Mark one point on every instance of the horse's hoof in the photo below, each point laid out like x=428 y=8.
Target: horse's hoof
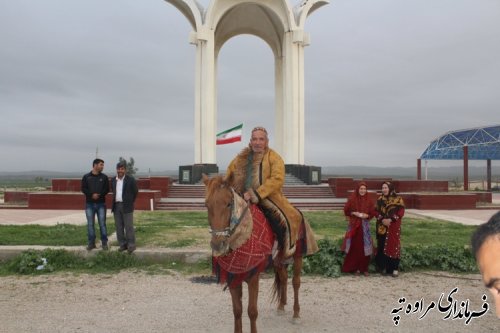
x=280 y=312
x=296 y=320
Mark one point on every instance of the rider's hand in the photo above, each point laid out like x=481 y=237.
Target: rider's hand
x=247 y=196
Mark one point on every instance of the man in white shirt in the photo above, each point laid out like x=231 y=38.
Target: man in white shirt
x=124 y=194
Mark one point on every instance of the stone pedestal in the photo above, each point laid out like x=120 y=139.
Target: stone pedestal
x=191 y=174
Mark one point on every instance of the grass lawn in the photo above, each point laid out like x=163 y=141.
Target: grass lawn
x=190 y=229
x=414 y=231
x=430 y=244
x=171 y=229
x=58 y=235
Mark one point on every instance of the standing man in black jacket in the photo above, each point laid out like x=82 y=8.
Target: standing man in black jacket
x=95 y=186
x=124 y=194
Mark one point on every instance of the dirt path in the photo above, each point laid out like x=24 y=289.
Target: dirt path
x=136 y=302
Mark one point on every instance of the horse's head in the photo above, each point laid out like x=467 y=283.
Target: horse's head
x=218 y=200
x=228 y=215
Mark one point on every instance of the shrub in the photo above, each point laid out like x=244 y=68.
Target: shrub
x=438 y=257
x=111 y=261
x=328 y=260
x=48 y=260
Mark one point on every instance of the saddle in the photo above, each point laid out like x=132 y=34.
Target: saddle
x=291 y=229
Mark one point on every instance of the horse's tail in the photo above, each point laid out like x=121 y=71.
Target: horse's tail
x=277 y=286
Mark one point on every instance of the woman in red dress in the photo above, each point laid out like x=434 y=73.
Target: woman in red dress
x=390 y=211
x=358 y=246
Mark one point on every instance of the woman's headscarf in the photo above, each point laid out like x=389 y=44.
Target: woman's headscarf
x=389 y=204
x=361 y=203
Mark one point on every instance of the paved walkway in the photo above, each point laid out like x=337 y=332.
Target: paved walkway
x=468 y=217
x=41 y=216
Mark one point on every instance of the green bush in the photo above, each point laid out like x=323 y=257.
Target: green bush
x=105 y=261
x=453 y=258
x=49 y=260
x=38 y=262
x=328 y=260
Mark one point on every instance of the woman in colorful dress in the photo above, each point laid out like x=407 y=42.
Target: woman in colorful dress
x=390 y=211
x=358 y=246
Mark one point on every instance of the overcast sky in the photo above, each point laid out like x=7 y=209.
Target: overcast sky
x=383 y=78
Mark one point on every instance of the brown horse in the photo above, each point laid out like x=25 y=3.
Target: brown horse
x=232 y=228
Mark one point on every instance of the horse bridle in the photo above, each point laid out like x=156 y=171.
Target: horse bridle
x=233 y=222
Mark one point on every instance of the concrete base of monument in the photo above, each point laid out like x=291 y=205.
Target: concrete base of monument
x=308 y=174
x=191 y=174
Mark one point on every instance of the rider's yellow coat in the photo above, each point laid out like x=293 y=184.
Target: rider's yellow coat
x=268 y=177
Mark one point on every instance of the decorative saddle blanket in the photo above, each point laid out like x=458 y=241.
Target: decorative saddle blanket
x=251 y=257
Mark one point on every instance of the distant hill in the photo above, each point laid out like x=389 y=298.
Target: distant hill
x=61 y=174
x=446 y=173
x=39 y=173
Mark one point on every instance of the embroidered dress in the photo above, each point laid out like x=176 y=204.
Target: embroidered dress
x=389 y=238
x=358 y=244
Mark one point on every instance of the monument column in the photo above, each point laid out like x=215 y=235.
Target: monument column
x=205 y=112
x=292 y=83
x=279 y=79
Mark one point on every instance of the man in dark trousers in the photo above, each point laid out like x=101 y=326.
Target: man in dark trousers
x=95 y=186
x=124 y=194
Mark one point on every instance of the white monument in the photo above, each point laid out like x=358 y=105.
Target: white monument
x=281 y=26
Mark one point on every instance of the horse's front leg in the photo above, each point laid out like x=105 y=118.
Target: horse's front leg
x=236 y=295
x=297 y=269
x=253 y=294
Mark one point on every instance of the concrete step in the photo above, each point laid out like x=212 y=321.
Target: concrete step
x=305 y=191
x=292 y=180
x=305 y=197
x=291 y=191
x=487 y=206
x=181 y=206
x=13 y=206
x=199 y=204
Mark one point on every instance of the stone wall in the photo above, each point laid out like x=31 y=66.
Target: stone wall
x=417 y=194
x=66 y=194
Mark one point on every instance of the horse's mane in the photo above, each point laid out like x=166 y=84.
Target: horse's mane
x=214 y=184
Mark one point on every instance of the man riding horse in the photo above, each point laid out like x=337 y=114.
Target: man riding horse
x=258 y=173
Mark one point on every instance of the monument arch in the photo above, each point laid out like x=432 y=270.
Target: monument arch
x=281 y=26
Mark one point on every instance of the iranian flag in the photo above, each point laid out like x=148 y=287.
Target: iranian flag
x=229 y=136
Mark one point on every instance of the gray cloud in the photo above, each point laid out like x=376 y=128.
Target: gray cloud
x=383 y=78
